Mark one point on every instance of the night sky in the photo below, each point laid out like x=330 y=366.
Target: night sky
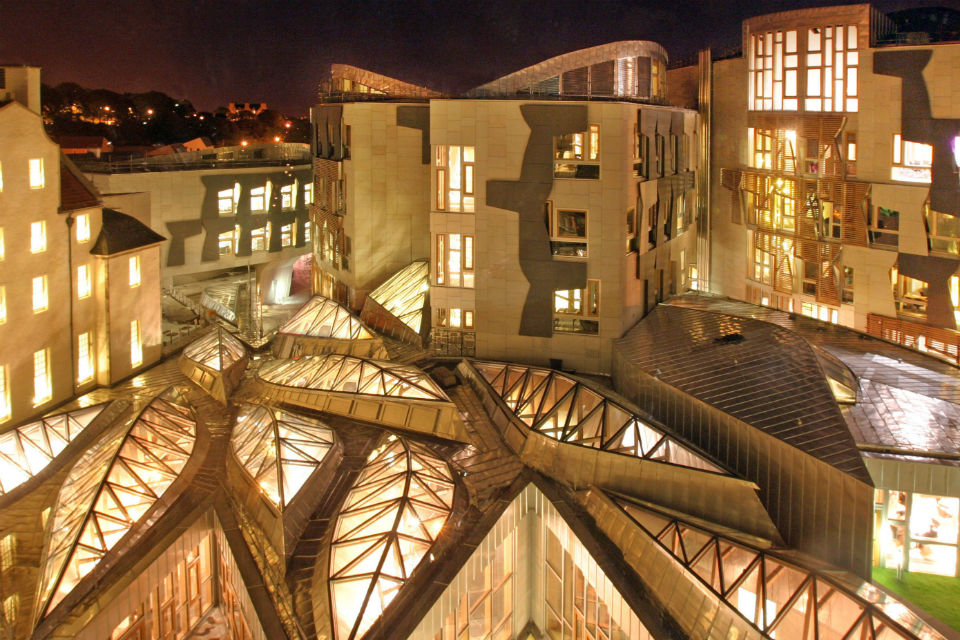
x=212 y=52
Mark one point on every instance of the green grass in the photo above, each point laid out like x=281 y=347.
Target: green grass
x=937 y=595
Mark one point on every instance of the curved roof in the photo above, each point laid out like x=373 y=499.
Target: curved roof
x=405 y=293
x=616 y=69
x=218 y=350
x=390 y=519
x=279 y=449
x=347 y=374
x=324 y=318
x=27 y=450
x=569 y=411
x=110 y=488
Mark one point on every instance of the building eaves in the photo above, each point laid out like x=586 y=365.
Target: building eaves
x=76 y=192
x=121 y=232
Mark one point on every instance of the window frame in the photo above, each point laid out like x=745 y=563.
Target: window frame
x=42 y=382
x=583 y=320
x=134 y=275
x=84 y=282
x=37 y=175
x=38 y=236
x=557 y=237
x=83 y=228
x=41 y=295
x=587 y=157
x=465 y=181
x=136 y=344
x=444 y=255
x=86 y=369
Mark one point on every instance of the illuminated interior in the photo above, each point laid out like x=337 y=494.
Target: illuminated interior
x=110 y=488
x=567 y=410
x=347 y=374
x=386 y=527
x=218 y=350
x=780 y=598
x=27 y=450
x=325 y=318
x=405 y=293
x=279 y=450
x=918 y=532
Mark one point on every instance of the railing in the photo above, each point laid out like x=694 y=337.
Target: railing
x=220 y=157
x=943 y=343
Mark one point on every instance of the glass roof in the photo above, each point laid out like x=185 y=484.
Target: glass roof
x=347 y=374
x=218 y=350
x=737 y=573
x=325 y=318
x=566 y=410
x=27 y=450
x=110 y=488
x=405 y=293
x=279 y=450
x=386 y=526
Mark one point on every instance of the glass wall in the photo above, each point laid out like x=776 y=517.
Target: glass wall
x=917 y=532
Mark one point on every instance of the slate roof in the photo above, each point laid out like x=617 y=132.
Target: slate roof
x=758 y=372
x=76 y=192
x=121 y=232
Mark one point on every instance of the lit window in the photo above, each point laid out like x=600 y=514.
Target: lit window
x=308 y=193
x=1 y=176
x=577 y=155
x=135 y=271
x=8 y=552
x=912 y=161
x=84 y=358
x=39 y=294
x=83 y=282
x=227 y=200
x=225 y=242
x=258 y=239
x=943 y=231
x=909 y=294
x=831 y=62
x=288 y=196
x=3 y=251
x=36 y=173
x=455 y=318
x=454 y=260
x=286 y=235
x=38 y=237
x=568 y=232
x=5 y=409
x=3 y=304
x=306 y=231
x=83 y=227
x=258 y=199
x=42 y=390
x=455 y=178
x=641 y=153
x=136 y=348
x=574 y=307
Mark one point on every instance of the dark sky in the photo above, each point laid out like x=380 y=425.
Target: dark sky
x=213 y=52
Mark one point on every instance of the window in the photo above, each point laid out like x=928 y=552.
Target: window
x=913 y=161
x=455 y=178
x=577 y=155
x=37 y=178
x=39 y=294
x=288 y=196
x=573 y=307
x=811 y=272
x=831 y=220
x=831 y=63
x=286 y=235
x=943 y=231
x=3 y=304
x=258 y=239
x=568 y=231
x=3 y=250
x=641 y=155
x=884 y=227
x=8 y=552
x=83 y=227
x=773 y=71
x=454 y=260
x=136 y=348
x=84 y=358
x=674 y=153
x=38 y=237
x=847 y=293
x=83 y=282
x=1 y=176
x=909 y=294
x=135 y=271
x=5 y=409
x=227 y=200
x=819 y=312
x=308 y=193
x=42 y=390
x=258 y=199
x=306 y=231
x=225 y=242
x=455 y=318
x=660 y=143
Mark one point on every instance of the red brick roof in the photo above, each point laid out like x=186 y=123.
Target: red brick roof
x=76 y=192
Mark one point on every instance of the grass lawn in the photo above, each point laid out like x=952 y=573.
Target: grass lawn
x=936 y=595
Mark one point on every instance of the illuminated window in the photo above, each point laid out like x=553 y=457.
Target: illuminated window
x=83 y=282
x=909 y=294
x=8 y=551
x=306 y=231
x=659 y=145
x=258 y=199
x=308 y=193
x=1 y=176
x=641 y=154
x=42 y=390
x=227 y=200
x=134 y=271
x=37 y=177
x=404 y=294
x=568 y=231
x=38 y=237
x=288 y=196
x=84 y=358
x=773 y=71
x=943 y=231
x=831 y=67
x=954 y=284
x=574 y=307
x=577 y=155
x=455 y=178
x=258 y=239
x=39 y=294
x=912 y=161
x=225 y=242
x=3 y=304
x=286 y=235
x=136 y=347
x=454 y=260
x=5 y=409
x=847 y=294
x=884 y=227
x=455 y=318
x=3 y=251
x=83 y=227
x=11 y=604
